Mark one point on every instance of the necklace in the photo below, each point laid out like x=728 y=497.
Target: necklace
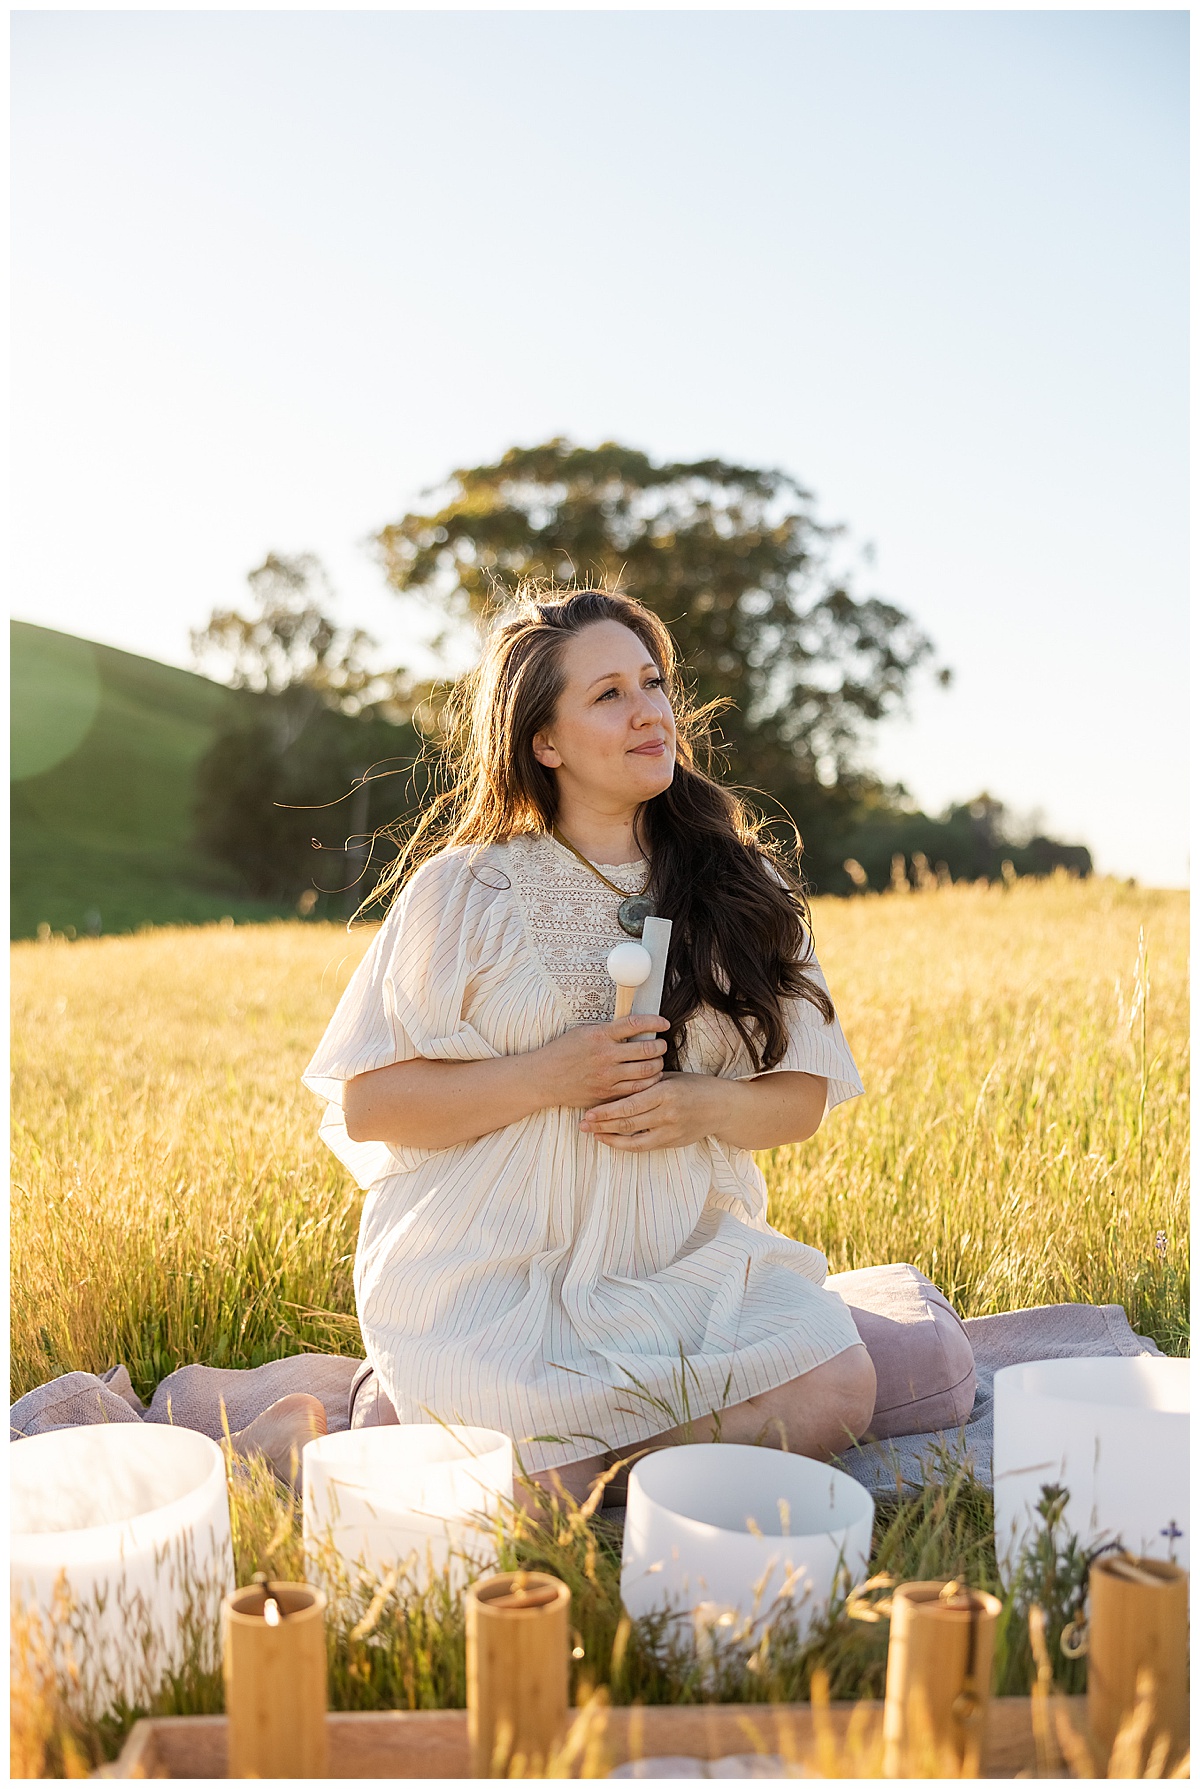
x=635 y=909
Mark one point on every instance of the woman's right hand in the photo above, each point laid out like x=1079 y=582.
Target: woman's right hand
x=592 y=1063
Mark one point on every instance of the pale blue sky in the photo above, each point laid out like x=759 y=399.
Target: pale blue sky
x=277 y=272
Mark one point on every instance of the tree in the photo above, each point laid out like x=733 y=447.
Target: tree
x=731 y=557
x=295 y=814
x=970 y=840
x=288 y=646
x=319 y=753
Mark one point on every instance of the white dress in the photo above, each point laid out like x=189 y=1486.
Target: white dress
x=534 y=1280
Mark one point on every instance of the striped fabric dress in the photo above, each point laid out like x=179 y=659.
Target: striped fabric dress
x=534 y=1280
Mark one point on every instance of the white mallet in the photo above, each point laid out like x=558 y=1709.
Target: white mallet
x=629 y=966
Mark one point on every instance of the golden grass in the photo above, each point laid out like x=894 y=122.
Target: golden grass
x=401 y=1644
x=171 y=1200
x=1023 y=1138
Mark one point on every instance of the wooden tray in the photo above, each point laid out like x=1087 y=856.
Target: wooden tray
x=434 y=1744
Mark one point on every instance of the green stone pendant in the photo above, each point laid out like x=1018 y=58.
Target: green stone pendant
x=633 y=913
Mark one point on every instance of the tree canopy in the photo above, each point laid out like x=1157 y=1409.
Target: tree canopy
x=294 y=813
x=287 y=643
x=320 y=752
x=731 y=557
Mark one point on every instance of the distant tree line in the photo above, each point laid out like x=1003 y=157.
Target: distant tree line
x=325 y=750
x=293 y=804
x=320 y=753
x=973 y=840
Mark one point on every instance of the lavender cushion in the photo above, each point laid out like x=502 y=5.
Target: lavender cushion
x=920 y=1350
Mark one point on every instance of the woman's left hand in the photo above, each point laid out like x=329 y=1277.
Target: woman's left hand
x=679 y=1109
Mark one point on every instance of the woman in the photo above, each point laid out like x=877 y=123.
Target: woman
x=565 y=1236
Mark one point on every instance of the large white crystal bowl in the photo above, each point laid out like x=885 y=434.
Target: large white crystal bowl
x=120 y=1547
x=412 y=1497
x=1113 y=1433
x=720 y=1533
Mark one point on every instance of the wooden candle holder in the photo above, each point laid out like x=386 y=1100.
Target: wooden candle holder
x=939 y=1674
x=518 y=1643
x=1137 y=1623
x=275 y=1681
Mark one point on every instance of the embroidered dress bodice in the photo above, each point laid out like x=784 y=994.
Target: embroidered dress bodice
x=571 y=919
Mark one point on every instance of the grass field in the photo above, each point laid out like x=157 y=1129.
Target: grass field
x=104 y=748
x=1023 y=1140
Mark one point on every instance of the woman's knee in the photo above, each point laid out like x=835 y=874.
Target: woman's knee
x=820 y=1413
x=856 y=1390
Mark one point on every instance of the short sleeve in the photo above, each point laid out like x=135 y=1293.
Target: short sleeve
x=816 y=1047
x=406 y=998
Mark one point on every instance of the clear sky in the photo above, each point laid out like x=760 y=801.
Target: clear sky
x=275 y=273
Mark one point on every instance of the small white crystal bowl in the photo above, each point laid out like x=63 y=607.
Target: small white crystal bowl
x=128 y=1523
x=1112 y=1432
x=413 y=1496
x=729 y=1536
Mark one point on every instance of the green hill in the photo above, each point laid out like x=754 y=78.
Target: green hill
x=104 y=750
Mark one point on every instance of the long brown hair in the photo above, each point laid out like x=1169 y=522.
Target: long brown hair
x=741 y=926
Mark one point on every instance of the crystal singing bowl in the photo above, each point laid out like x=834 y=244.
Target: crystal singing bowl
x=116 y=1531
x=379 y=1496
x=1113 y=1434
x=736 y=1532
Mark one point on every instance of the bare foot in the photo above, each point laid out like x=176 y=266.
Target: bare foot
x=280 y=1432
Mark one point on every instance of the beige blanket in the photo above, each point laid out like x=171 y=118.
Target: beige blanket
x=196 y=1397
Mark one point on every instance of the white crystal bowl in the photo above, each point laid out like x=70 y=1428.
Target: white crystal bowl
x=120 y=1545
x=414 y=1497
x=725 y=1535
x=1111 y=1432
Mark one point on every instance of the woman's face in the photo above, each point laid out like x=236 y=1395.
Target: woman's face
x=611 y=743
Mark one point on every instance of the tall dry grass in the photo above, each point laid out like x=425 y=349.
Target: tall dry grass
x=1023 y=1138
x=171 y=1201
x=401 y=1643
